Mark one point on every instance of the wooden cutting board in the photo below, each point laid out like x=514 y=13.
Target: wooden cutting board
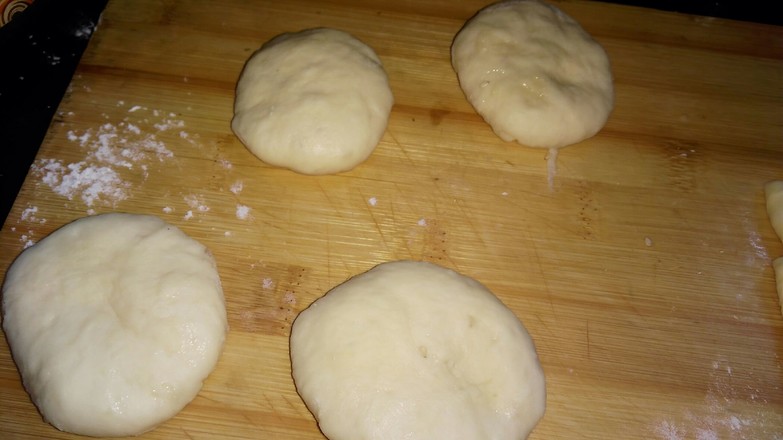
x=644 y=276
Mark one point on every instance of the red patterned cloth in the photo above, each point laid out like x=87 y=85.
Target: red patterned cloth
x=9 y=8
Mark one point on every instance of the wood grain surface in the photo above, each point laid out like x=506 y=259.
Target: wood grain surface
x=644 y=276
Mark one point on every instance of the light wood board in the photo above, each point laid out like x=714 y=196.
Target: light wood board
x=644 y=276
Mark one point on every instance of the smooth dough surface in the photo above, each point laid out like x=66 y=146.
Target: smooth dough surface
x=777 y=264
x=774 y=197
x=773 y=192
x=114 y=321
x=315 y=101
x=411 y=350
x=533 y=74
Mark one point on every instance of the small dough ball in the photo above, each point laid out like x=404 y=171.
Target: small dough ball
x=315 y=101
x=114 y=321
x=411 y=350
x=533 y=74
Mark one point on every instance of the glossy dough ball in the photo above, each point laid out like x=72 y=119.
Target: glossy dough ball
x=114 y=322
x=533 y=74
x=411 y=350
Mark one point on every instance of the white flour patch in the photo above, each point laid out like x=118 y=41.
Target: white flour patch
x=668 y=431
x=169 y=124
x=755 y=243
x=243 y=212
x=27 y=241
x=289 y=298
x=113 y=152
x=372 y=201
x=648 y=241
x=724 y=414
x=196 y=202
x=188 y=215
x=89 y=182
x=267 y=283
x=225 y=164
x=237 y=187
x=168 y=209
x=84 y=31
x=422 y=222
x=29 y=215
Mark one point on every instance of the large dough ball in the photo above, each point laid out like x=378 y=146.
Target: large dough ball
x=411 y=350
x=315 y=101
x=114 y=321
x=533 y=74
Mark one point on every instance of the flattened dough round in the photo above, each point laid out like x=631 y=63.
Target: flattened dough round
x=315 y=101
x=773 y=191
x=114 y=321
x=411 y=350
x=533 y=74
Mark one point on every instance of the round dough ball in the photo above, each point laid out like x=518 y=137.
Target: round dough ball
x=411 y=350
x=114 y=321
x=533 y=74
x=315 y=101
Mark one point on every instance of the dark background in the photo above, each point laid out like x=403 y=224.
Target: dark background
x=41 y=47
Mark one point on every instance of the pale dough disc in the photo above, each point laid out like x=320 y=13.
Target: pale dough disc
x=315 y=101
x=114 y=321
x=533 y=74
x=774 y=196
x=778 y=266
x=773 y=192
x=411 y=350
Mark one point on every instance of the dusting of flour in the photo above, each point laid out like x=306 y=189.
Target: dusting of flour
x=113 y=152
x=722 y=416
x=243 y=212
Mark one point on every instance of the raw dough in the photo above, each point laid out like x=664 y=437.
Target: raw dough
x=777 y=264
x=534 y=74
x=774 y=195
x=411 y=350
x=114 y=321
x=315 y=101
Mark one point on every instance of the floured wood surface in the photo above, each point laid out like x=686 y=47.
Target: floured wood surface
x=644 y=276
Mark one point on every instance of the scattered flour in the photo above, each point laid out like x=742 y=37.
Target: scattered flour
x=243 y=212
x=112 y=150
x=168 y=209
x=196 y=202
x=422 y=222
x=90 y=182
x=372 y=201
x=29 y=215
x=267 y=283
x=289 y=298
x=27 y=240
x=188 y=215
x=724 y=415
x=667 y=430
x=237 y=187
x=648 y=241
x=84 y=31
